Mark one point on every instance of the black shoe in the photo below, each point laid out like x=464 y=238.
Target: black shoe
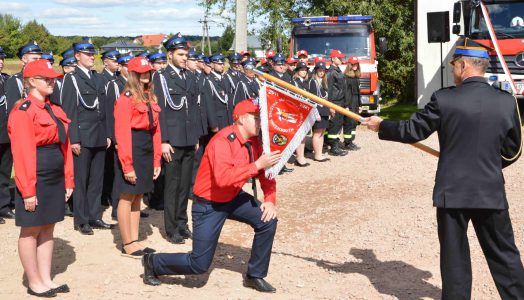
x=149 y=274
x=176 y=239
x=287 y=170
x=64 y=288
x=47 y=294
x=143 y=214
x=351 y=146
x=2 y=221
x=259 y=284
x=322 y=160
x=148 y=250
x=336 y=150
x=99 y=224
x=186 y=233
x=84 y=229
x=68 y=212
x=301 y=165
x=8 y=214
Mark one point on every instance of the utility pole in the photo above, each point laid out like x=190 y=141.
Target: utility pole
x=241 y=26
x=205 y=33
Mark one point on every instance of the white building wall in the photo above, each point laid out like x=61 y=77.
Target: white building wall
x=428 y=55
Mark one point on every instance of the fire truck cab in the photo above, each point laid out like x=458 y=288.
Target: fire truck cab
x=352 y=35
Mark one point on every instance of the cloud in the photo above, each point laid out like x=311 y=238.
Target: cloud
x=13 y=7
x=168 y=14
x=109 y=3
x=63 y=13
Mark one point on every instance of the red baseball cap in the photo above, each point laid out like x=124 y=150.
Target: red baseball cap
x=302 y=52
x=270 y=54
x=41 y=67
x=291 y=60
x=244 y=107
x=353 y=60
x=336 y=53
x=245 y=53
x=263 y=61
x=319 y=59
x=139 y=64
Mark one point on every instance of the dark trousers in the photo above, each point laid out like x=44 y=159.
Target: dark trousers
x=109 y=176
x=335 y=125
x=6 y=166
x=350 y=129
x=115 y=191
x=89 y=175
x=208 y=220
x=202 y=142
x=156 y=197
x=177 y=181
x=495 y=235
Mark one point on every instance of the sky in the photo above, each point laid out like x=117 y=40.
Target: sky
x=113 y=17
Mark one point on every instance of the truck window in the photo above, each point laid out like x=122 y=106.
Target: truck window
x=351 y=44
x=506 y=19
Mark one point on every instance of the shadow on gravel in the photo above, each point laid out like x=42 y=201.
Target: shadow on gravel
x=63 y=256
x=395 y=278
x=228 y=257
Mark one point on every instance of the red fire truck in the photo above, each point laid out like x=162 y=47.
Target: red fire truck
x=354 y=36
x=507 y=18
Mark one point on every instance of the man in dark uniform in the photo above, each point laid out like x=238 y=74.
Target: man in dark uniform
x=248 y=87
x=234 y=73
x=158 y=60
x=113 y=90
x=83 y=98
x=215 y=94
x=15 y=86
x=336 y=94
x=109 y=73
x=6 y=158
x=279 y=68
x=176 y=94
x=110 y=60
x=479 y=131
x=233 y=156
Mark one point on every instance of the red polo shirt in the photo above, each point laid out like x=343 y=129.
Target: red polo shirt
x=225 y=168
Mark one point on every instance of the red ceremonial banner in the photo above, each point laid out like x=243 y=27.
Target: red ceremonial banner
x=286 y=118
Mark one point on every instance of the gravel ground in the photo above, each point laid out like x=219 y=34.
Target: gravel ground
x=357 y=227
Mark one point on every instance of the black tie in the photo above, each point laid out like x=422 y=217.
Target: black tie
x=150 y=115
x=254 y=181
x=59 y=125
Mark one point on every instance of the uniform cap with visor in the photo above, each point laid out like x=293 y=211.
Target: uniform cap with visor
x=84 y=47
x=157 y=57
x=29 y=48
x=111 y=54
x=470 y=48
x=176 y=42
x=68 y=61
x=124 y=59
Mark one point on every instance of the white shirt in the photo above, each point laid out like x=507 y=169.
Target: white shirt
x=177 y=70
x=86 y=71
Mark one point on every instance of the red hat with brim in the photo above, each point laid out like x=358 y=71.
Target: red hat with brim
x=41 y=68
x=353 y=60
x=337 y=53
x=270 y=54
x=139 y=65
x=302 y=53
x=245 y=107
x=291 y=60
x=245 y=53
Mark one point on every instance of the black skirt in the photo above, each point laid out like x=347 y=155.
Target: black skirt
x=50 y=190
x=143 y=155
x=322 y=124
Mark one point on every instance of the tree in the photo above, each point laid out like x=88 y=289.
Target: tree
x=227 y=39
x=10 y=36
x=393 y=19
x=33 y=31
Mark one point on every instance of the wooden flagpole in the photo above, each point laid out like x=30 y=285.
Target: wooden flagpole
x=335 y=107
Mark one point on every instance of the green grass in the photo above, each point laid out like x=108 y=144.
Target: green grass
x=397 y=111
